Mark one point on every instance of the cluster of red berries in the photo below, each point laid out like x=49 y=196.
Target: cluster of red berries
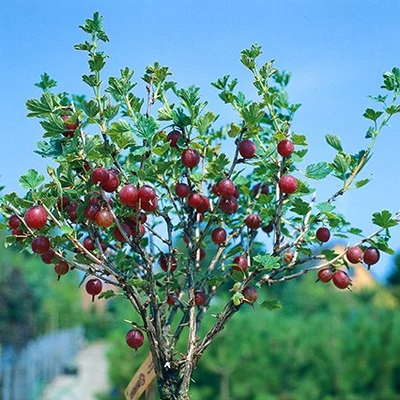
x=339 y=278
x=355 y=255
x=107 y=179
x=370 y=255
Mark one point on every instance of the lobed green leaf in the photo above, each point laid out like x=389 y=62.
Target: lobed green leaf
x=318 y=171
x=31 y=179
x=384 y=219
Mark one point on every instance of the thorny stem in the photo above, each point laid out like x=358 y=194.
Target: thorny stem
x=226 y=314
x=191 y=311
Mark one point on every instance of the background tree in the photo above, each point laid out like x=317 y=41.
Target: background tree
x=30 y=302
x=182 y=183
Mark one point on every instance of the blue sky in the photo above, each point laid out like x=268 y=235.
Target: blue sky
x=336 y=52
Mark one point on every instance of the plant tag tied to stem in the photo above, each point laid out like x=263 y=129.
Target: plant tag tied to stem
x=142 y=380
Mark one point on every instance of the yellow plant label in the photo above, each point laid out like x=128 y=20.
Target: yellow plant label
x=141 y=380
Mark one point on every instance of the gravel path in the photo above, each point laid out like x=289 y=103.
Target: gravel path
x=91 y=379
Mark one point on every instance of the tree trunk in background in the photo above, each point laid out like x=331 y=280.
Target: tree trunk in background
x=224 y=386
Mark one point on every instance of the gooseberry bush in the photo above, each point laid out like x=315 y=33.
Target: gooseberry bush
x=152 y=197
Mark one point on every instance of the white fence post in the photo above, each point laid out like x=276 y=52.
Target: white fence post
x=23 y=373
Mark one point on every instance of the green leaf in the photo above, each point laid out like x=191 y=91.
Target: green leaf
x=165 y=113
x=383 y=219
x=393 y=109
x=138 y=151
x=329 y=254
x=223 y=83
x=299 y=140
x=53 y=126
x=67 y=230
x=379 y=98
x=44 y=106
x=120 y=127
x=217 y=165
x=137 y=281
x=325 y=207
x=216 y=280
x=299 y=206
x=91 y=80
x=252 y=114
x=90 y=107
x=191 y=100
x=267 y=70
x=355 y=231
x=9 y=241
x=271 y=305
x=95 y=27
x=334 y=141
x=81 y=259
x=97 y=62
x=237 y=299
x=234 y=130
x=120 y=133
x=248 y=56
x=371 y=132
x=241 y=180
x=382 y=245
x=49 y=149
x=362 y=183
x=107 y=294
x=237 y=276
x=110 y=112
x=298 y=155
x=146 y=127
x=93 y=147
x=303 y=188
x=372 y=114
x=341 y=163
x=391 y=80
x=157 y=72
x=204 y=122
x=318 y=171
x=120 y=87
x=86 y=46
x=31 y=179
x=160 y=150
x=266 y=261
x=46 y=82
